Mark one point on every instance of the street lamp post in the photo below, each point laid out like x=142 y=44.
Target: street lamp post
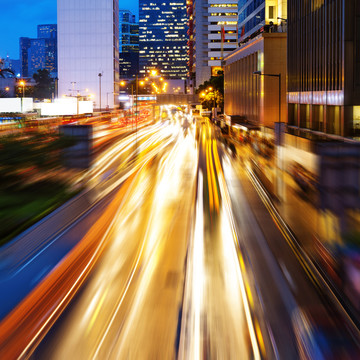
x=22 y=83
x=278 y=136
x=100 y=75
x=107 y=100
x=279 y=77
x=213 y=91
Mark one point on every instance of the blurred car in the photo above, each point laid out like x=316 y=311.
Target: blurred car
x=322 y=336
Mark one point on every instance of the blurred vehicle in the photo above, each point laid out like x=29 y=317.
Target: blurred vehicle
x=322 y=336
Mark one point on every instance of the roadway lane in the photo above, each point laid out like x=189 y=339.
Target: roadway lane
x=32 y=255
x=194 y=267
x=216 y=321
x=28 y=261
x=130 y=305
x=169 y=284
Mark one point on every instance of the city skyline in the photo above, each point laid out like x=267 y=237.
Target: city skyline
x=27 y=17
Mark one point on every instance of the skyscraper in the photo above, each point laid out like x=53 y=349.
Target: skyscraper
x=47 y=31
x=163 y=37
x=324 y=66
x=212 y=35
x=129 y=44
x=39 y=53
x=24 y=55
x=88 y=49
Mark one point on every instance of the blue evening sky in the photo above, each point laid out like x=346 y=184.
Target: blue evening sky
x=20 y=18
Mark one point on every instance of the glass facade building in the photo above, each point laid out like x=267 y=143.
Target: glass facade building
x=163 y=37
x=24 y=55
x=324 y=66
x=47 y=31
x=39 y=53
x=254 y=15
x=88 y=50
x=128 y=44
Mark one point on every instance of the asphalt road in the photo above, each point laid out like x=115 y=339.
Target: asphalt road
x=193 y=265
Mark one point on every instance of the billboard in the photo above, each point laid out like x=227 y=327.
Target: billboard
x=78 y=156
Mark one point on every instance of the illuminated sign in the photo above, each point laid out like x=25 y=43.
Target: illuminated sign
x=146 y=98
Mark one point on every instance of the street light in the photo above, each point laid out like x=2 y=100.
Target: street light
x=22 y=83
x=278 y=131
x=100 y=75
x=213 y=91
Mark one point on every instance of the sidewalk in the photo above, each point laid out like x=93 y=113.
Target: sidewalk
x=299 y=209
x=316 y=231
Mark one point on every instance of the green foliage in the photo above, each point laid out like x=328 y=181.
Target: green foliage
x=22 y=208
x=217 y=84
x=22 y=157
x=29 y=185
x=44 y=87
x=352 y=238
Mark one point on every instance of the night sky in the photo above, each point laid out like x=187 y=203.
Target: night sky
x=20 y=18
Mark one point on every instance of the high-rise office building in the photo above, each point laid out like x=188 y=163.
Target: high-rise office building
x=47 y=31
x=24 y=55
x=212 y=35
x=36 y=56
x=262 y=37
x=88 y=49
x=163 y=37
x=129 y=44
x=39 y=53
x=324 y=66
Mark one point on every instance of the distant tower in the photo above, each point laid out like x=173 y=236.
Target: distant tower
x=39 y=53
x=212 y=36
x=24 y=55
x=128 y=45
x=88 y=49
x=163 y=37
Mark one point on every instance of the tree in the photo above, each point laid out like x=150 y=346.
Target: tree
x=22 y=156
x=44 y=84
x=216 y=83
